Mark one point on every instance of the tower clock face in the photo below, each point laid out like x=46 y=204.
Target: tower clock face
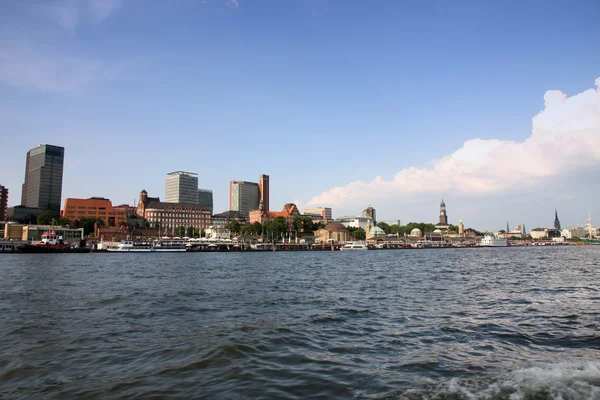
x=443 y=213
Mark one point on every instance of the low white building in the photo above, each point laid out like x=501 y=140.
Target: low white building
x=355 y=221
x=217 y=232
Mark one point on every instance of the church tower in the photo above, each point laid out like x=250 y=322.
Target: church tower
x=556 y=220
x=443 y=215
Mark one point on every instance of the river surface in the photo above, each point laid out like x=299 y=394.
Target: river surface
x=512 y=323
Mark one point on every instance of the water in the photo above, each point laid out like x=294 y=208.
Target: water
x=418 y=324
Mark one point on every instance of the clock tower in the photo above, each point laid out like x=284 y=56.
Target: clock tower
x=443 y=215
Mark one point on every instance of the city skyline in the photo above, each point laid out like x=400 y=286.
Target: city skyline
x=446 y=97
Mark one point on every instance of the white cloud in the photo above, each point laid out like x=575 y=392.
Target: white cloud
x=565 y=137
x=235 y=4
x=69 y=14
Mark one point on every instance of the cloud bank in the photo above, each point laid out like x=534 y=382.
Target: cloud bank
x=565 y=138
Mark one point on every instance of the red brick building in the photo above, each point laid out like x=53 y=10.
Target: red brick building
x=94 y=207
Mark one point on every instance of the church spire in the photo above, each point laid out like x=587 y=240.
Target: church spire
x=556 y=220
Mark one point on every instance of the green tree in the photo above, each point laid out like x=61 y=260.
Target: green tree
x=88 y=224
x=111 y=221
x=180 y=231
x=384 y=226
x=256 y=228
x=358 y=234
x=63 y=222
x=307 y=225
x=234 y=226
x=47 y=218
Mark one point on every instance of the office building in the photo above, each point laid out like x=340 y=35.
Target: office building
x=170 y=216
x=226 y=217
x=42 y=188
x=370 y=212
x=263 y=191
x=323 y=212
x=94 y=207
x=243 y=196
x=3 y=202
x=181 y=187
x=205 y=199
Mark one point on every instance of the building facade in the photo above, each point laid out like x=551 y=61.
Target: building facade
x=217 y=232
x=355 y=222
x=22 y=214
x=263 y=191
x=43 y=178
x=3 y=202
x=323 y=212
x=205 y=199
x=226 y=217
x=181 y=187
x=261 y=216
x=243 y=196
x=370 y=212
x=169 y=216
x=333 y=232
x=94 y=207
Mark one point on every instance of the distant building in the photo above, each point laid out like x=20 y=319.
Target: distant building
x=181 y=187
x=43 y=178
x=22 y=214
x=443 y=214
x=3 y=202
x=461 y=228
x=539 y=233
x=226 y=217
x=29 y=232
x=333 y=232
x=355 y=222
x=370 y=212
x=263 y=191
x=169 y=216
x=289 y=211
x=217 y=232
x=243 y=196
x=129 y=211
x=205 y=199
x=374 y=233
x=556 y=221
x=323 y=212
x=94 y=207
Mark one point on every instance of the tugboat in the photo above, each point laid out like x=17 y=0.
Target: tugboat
x=51 y=243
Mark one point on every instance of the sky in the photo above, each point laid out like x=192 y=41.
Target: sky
x=396 y=104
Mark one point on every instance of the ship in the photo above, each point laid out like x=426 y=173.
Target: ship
x=493 y=241
x=52 y=243
x=158 y=246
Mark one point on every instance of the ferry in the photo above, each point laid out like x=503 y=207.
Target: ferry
x=493 y=241
x=51 y=243
x=160 y=246
x=354 y=247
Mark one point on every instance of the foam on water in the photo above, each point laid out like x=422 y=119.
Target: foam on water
x=560 y=381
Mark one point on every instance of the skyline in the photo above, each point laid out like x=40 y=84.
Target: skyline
x=343 y=92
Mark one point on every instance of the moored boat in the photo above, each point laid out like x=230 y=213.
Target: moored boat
x=51 y=243
x=354 y=246
x=493 y=241
x=159 y=246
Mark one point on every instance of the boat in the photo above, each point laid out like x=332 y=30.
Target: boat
x=354 y=246
x=493 y=241
x=158 y=246
x=51 y=243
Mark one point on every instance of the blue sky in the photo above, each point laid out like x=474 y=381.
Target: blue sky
x=318 y=94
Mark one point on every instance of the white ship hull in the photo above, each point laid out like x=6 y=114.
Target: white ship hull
x=491 y=241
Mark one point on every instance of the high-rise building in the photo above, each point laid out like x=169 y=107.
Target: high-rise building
x=42 y=188
x=181 y=187
x=263 y=191
x=370 y=212
x=3 y=202
x=205 y=199
x=324 y=212
x=243 y=196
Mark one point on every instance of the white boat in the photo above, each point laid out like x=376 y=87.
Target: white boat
x=354 y=246
x=159 y=246
x=493 y=241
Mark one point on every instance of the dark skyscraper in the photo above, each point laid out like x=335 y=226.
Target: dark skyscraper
x=556 y=221
x=43 y=178
x=3 y=202
x=263 y=191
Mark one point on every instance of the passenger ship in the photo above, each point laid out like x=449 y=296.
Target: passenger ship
x=159 y=246
x=493 y=241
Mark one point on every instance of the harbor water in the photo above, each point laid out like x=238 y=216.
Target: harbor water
x=501 y=323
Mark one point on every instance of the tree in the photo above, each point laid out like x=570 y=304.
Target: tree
x=358 y=234
x=111 y=221
x=47 y=218
x=63 y=222
x=256 y=228
x=180 y=231
x=384 y=226
x=87 y=223
x=234 y=226
x=307 y=225
x=123 y=223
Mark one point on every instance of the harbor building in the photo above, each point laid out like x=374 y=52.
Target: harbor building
x=28 y=233
x=181 y=187
x=243 y=196
x=42 y=188
x=289 y=211
x=323 y=212
x=3 y=202
x=205 y=199
x=226 y=217
x=169 y=216
x=94 y=207
x=370 y=212
x=332 y=232
x=355 y=221
x=263 y=191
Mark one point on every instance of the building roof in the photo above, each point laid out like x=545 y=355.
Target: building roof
x=415 y=230
x=377 y=231
x=230 y=214
x=335 y=227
